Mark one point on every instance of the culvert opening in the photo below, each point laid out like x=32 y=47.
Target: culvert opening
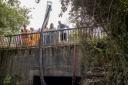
x=36 y=80
x=56 y=80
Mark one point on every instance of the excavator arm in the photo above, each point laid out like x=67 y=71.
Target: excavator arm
x=46 y=19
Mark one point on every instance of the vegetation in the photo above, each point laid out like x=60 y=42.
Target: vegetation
x=110 y=52
x=11 y=80
x=12 y=16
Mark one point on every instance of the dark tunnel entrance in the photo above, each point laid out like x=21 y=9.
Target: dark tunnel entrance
x=36 y=80
x=56 y=80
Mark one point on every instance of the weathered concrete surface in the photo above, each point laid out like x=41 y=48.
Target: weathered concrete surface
x=24 y=63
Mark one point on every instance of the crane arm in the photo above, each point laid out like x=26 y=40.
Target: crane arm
x=41 y=67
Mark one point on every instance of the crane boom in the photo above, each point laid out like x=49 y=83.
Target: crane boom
x=46 y=19
x=47 y=14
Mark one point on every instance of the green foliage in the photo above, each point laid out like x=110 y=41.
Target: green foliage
x=112 y=16
x=12 y=80
x=12 y=16
x=74 y=36
x=7 y=80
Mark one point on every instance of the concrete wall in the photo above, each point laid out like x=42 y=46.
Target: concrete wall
x=24 y=63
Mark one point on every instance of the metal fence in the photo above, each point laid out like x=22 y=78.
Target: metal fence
x=54 y=37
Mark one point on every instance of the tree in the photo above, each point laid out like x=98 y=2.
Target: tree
x=12 y=16
x=112 y=17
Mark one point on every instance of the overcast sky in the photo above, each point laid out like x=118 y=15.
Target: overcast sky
x=38 y=12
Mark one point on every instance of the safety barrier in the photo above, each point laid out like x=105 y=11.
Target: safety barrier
x=54 y=37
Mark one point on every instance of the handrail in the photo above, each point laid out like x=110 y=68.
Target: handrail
x=51 y=37
x=45 y=31
x=51 y=31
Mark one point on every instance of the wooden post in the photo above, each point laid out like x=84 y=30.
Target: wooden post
x=74 y=66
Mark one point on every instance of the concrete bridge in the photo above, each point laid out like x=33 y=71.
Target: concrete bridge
x=19 y=56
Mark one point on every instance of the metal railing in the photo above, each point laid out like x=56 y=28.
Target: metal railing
x=50 y=38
